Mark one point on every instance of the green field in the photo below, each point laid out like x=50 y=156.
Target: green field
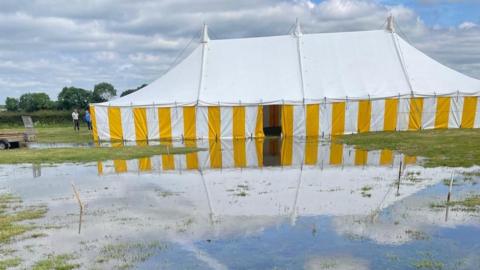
x=452 y=148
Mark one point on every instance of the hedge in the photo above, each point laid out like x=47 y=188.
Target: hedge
x=39 y=118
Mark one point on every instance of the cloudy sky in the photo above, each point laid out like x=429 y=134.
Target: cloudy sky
x=48 y=44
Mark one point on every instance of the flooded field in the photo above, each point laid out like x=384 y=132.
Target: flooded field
x=249 y=205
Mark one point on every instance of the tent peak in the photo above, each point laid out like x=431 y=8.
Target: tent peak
x=391 y=24
x=298 y=29
x=205 y=37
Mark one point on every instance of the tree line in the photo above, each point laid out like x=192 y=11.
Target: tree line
x=69 y=98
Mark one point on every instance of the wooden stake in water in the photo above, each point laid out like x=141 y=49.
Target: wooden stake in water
x=399 y=178
x=75 y=192
x=449 y=196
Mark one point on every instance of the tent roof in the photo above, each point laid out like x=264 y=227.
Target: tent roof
x=301 y=68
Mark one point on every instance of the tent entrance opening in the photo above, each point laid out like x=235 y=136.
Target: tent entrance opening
x=272 y=120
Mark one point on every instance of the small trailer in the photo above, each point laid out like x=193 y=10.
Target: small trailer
x=13 y=140
x=16 y=139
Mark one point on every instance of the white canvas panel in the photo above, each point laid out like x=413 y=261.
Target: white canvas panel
x=152 y=123
x=250 y=120
x=252 y=155
x=202 y=122
x=378 y=115
x=226 y=122
x=103 y=128
x=325 y=128
x=128 y=124
x=299 y=121
x=227 y=154
x=456 y=110
x=252 y=70
x=351 y=117
x=176 y=116
x=403 y=114
x=429 y=112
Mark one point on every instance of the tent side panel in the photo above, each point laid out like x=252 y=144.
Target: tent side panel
x=428 y=113
x=390 y=114
x=338 y=118
x=152 y=124
x=140 y=121
x=287 y=120
x=312 y=120
x=299 y=121
x=415 y=114
x=128 y=124
x=364 y=115
x=94 y=123
x=469 y=112
x=443 y=112
x=190 y=122
x=377 y=115
x=259 y=123
x=115 y=124
x=239 y=124
x=165 y=123
x=351 y=117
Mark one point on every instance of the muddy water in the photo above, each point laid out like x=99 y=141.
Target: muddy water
x=251 y=205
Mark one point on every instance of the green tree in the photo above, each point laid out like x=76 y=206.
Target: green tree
x=32 y=102
x=11 y=104
x=103 y=92
x=129 y=91
x=74 y=98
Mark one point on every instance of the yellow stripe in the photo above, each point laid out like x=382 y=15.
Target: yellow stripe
x=214 y=123
x=115 y=123
x=259 y=149
x=239 y=122
x=361 y=157
x=287 y=120
x=165 y=123
x=386 y=157
x=215 y=154
x=100 y=167
x=192 y=158
x=239 y=153
x=469 y=111
x=336 y=154
x=259 y=125
x=311 y=151
x=312 y=120
x=409 y=160
x=390 y=116
x=442 y=113
x=120 y=166
x=287 y=151
x=168 y=160
x=364 y=115
x=140 y=120
x=338 y=118
x=189 y=123
x=144 y=164
x=415 y=116
x=94 y=123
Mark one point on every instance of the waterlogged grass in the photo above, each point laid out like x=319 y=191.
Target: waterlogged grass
x=9 y=263
x=63 y=155
x=56 y=262
x=12 y=214
x=127 y=255
x=471 y=203
x=452 y=147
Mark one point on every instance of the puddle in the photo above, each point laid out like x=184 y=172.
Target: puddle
x=251 y=205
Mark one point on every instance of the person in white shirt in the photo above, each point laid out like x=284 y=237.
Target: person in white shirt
x=76 y=124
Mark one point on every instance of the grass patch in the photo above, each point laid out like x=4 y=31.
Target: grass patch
x=451 y=147
x=58 y=134
x=57 y=262
x=127 y=255
x=365 y=191
x=468 y=204
x=9 y=263
x=11 y=216
x=63 y=155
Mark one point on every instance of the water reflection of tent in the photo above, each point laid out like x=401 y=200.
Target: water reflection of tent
x=257 y=154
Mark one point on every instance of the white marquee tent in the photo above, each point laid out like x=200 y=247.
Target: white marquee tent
x=324 y=84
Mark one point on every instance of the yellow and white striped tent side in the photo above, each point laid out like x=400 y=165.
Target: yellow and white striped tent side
x=322 y=119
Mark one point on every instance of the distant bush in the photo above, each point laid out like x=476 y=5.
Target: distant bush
x=40 y=118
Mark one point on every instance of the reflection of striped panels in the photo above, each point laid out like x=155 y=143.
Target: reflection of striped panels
x=311 y=120
x=253 y=153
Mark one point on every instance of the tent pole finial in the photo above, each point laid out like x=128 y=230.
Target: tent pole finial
x=298 y=28
x=205 y=37
x=391 y=24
